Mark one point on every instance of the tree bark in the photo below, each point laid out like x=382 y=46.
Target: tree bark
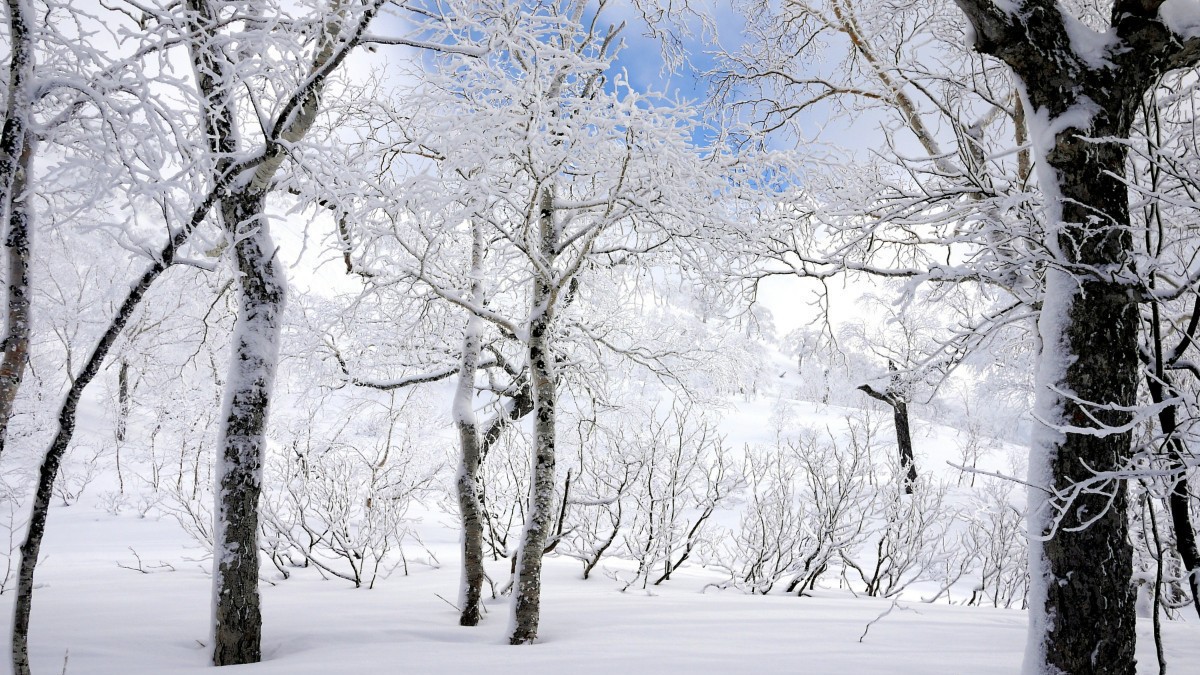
x=223 y=179
x=1179 y=501
x=894 y=397
x=528 y=587
x=469 y=504
x=1082 y=612
x=17 y=245
x=123 y=405
x=237 y=618
x=16 y=163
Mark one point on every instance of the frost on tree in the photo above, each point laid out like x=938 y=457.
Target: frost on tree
x=237 y=619
x=1083 y=87
x=570 y=173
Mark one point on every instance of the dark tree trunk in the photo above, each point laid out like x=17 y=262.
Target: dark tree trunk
x=237 y=620
x=1178 y=502
x=1082 y=613
x=895 y=397
x=1089 y=331
x=908 y=464
x=1162 y=388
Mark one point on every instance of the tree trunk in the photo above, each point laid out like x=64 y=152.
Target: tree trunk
x=1178 y=502
x=467 y=483
x=528 y=587
x=17 y=245
x=908 y=465
x=123 y=401
x=1181 y=520
x=894 y=397
x=16 y=163
x=31 y=547
x=1082 y=614
x=237 y=619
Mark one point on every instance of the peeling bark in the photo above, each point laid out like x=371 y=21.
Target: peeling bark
x=17 y=245
x=16 y=162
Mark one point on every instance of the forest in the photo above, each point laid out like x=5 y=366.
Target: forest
x=841 y=336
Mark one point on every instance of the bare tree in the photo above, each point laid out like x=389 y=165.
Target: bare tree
x=566 y=175
x=298 y=104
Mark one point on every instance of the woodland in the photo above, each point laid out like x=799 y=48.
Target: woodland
x=803 y=305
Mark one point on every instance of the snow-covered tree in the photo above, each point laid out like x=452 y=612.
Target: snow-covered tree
x=262 y=286
x=550 y=168
x=1083 y=80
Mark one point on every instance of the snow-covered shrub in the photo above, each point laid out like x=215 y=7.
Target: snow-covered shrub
x=681 y=475
x=807 y=500
x=996 y=535
x=504 y=493
x=340 y=504
x=1156 y=561
x=906 y=543
x=597 y=506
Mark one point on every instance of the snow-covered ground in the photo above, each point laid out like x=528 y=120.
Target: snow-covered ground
x=123 y=594
x=101 y=618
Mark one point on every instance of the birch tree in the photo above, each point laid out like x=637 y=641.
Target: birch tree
x=16 y=163
x=566 y=170
x=296 y=102
x=262 y=286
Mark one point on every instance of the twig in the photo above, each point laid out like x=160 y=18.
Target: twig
x=895 y=605
x=456 y=607
x=1001 y=476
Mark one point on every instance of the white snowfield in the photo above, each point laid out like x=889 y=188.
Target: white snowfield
x=130 y=595
x=102 y=619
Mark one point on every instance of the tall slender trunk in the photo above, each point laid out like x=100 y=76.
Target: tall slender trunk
x=467 y=483
x=302 y=100
x=908 y=464
x=1178 y=502
x=123 y=405
x=16 y=163
x=17 y=245
x=527 y=591
x=237 y=618
x=68 y=409
x=1082 y=614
